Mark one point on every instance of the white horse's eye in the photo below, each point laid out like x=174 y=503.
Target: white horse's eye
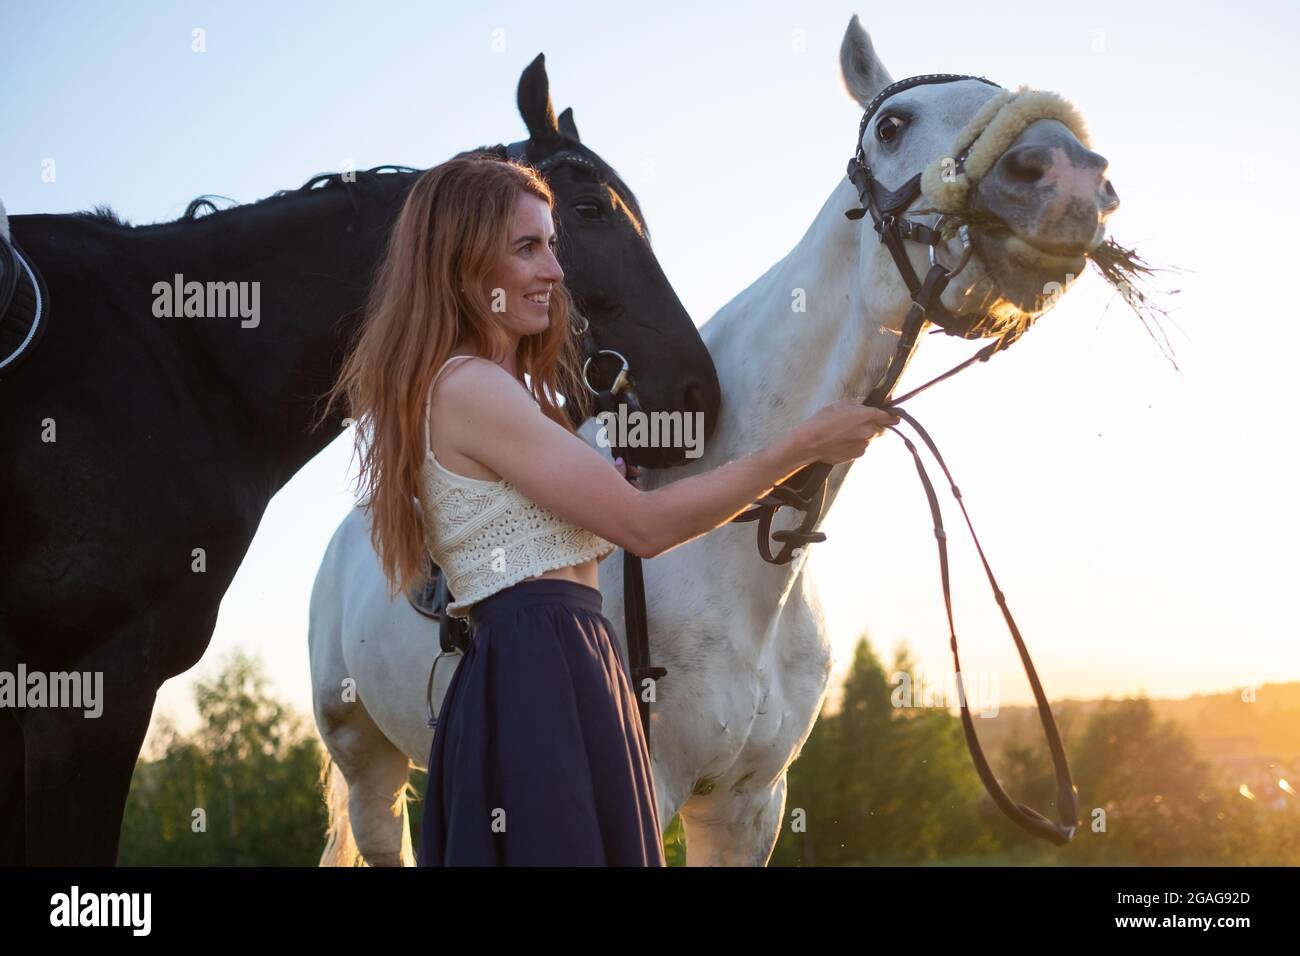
x=888 y=127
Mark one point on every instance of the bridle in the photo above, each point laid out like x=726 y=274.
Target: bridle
x=607 y=399
x=806 y=490
x=621 y=380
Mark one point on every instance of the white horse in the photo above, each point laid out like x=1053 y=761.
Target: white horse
x=743 y=641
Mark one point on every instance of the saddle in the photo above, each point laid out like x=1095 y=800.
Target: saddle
x=24 y=301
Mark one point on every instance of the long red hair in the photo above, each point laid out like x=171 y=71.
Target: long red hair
x=427 y=302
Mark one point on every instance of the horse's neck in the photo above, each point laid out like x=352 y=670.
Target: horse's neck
x=312 y=267
x=777 y=365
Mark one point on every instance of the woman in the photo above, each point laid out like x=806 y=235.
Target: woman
x=539 y=756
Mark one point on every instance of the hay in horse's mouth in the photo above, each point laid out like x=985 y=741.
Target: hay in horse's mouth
x=1127 y=271
x=1120 y=266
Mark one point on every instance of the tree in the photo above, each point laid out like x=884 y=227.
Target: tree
x=243 y=790
x=882 y=783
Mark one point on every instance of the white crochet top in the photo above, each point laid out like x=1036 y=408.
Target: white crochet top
x=487 y=536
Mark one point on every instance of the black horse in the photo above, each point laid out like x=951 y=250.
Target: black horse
x=141 y=452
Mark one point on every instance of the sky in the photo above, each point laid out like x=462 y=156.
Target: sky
x=1139 y=518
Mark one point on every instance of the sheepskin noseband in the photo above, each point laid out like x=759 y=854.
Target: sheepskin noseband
x=947 y=181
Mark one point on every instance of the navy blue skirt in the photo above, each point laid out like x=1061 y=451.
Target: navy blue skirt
x=540 y=758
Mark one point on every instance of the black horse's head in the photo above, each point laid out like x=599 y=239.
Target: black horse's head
x=611 y=271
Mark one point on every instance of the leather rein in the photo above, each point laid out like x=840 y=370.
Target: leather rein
x=805 y=491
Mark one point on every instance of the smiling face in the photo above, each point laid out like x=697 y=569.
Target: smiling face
x=519 y=286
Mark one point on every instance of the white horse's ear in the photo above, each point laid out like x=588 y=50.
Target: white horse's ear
x=4 y=223
x=864 y=74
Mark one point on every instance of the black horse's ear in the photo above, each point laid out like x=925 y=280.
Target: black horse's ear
x=567 y=126
x=535 y=104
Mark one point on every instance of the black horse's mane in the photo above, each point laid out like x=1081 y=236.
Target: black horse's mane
x=194 y=210
x=201 y=207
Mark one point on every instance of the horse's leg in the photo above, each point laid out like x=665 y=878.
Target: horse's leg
x=724 y=828
x=376 y=774
x=370 y=798
x=367 y=787
x=13 y=820
x=79 y=770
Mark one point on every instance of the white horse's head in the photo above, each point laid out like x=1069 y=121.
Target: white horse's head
x=1041 y=194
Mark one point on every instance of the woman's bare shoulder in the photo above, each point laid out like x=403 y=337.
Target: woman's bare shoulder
x=480 y=380
x=478 y=396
